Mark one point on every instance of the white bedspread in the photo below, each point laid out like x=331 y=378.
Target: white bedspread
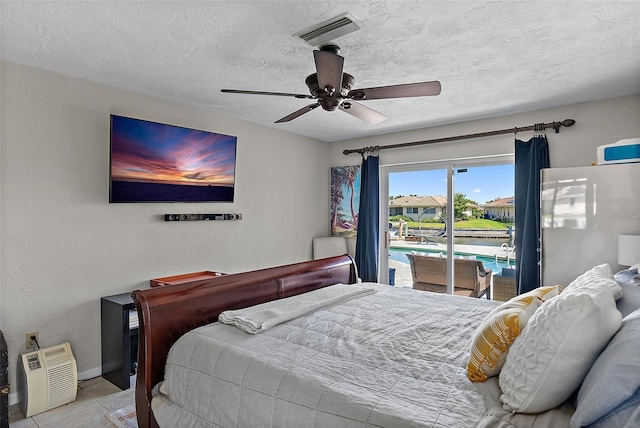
x=396 y=358
x=259 y=318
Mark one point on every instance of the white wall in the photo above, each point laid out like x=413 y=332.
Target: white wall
x=64 y=246
x=597 y=123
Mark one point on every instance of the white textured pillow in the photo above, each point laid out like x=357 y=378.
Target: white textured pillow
x=554 y=352
x=600 y=274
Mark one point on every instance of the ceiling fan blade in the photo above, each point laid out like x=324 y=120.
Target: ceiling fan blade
x=362 y=112
x=422 y=89
x=329 y=68
x=280 y=94
x=297 y=113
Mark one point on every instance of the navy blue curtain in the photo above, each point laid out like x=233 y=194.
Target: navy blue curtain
x=531 y=156
x=368 y=219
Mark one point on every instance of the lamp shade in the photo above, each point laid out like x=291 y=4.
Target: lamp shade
x=628 y=249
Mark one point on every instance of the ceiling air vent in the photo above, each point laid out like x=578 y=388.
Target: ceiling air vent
x=330 y=30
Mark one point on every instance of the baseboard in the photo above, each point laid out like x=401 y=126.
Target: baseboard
x=87 y=374
x=90 y=374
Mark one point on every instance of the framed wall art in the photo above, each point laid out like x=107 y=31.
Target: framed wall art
x=345 y=200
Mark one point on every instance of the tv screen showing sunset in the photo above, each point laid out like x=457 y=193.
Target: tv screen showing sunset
x=154 y=162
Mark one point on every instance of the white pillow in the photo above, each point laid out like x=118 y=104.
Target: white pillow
x=600 y=274
x=552 y=355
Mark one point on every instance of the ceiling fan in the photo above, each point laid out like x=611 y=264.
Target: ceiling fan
x=332 y=88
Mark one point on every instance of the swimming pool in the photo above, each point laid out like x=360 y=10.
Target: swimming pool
x=399 y=255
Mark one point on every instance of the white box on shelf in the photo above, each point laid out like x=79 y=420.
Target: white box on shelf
x=623 y=151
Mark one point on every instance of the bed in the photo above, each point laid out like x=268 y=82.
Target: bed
x=388 y=357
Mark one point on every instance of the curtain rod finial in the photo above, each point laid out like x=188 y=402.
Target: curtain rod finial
x=568 y=122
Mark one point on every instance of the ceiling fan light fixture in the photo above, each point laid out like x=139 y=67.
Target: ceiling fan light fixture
x=347 y=83
x=358 y=95
x=330 y=29
x=330 y=103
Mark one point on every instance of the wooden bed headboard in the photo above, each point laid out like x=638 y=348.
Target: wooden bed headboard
x=166 y=313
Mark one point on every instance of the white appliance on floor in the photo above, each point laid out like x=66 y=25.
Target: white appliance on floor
x=47 y=378
x=583 y=210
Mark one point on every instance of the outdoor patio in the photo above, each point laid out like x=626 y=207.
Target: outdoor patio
x=403 y=274
x=403 y=277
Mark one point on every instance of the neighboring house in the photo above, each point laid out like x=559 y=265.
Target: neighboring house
x=470 y=209
x=501 y=209
x=413 y=206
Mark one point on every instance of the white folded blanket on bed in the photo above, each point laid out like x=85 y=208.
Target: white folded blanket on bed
x=258 y=318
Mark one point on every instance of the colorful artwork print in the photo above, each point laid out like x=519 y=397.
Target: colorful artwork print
x=345 y=200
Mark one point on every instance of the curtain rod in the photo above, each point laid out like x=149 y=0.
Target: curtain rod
x=537 y=127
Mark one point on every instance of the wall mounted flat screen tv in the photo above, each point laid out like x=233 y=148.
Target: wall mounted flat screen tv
x=155 y=162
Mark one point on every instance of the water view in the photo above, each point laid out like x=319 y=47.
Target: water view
x=399 y=255
x=493 y=253
x=483 y=242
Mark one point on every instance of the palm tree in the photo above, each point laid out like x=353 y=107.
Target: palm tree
x=338 y=176
x=351 y=179
x=342 y=177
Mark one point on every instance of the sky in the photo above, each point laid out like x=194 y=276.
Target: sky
x=151 y=152
x=480 y=184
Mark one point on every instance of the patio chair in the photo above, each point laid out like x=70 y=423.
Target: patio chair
x=430 y=274
x=504 y=285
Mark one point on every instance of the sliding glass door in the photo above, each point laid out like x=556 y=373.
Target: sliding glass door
x=417 y=205
x=461 y=209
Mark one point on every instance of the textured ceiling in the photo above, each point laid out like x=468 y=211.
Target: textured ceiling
x=492 y=58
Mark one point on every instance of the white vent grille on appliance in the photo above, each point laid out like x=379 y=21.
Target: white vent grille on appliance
x=47 y=378
x=330 y=30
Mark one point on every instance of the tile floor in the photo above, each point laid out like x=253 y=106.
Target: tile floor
x=96 y=398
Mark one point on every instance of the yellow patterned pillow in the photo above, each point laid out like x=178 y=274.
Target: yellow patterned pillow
x=499 y=329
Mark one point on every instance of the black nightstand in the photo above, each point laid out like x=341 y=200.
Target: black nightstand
x=119 y=321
